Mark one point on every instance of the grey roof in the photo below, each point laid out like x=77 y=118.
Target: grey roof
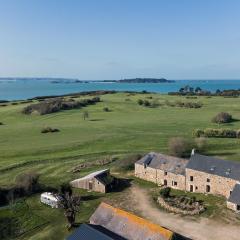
x=235 y=195
x=92 y=175
x=216 y=166
x=164 y=162
x=92 y=232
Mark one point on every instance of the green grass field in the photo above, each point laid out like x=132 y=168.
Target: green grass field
x=127 y=128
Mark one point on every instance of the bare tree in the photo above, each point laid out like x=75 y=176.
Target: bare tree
x=85 y=115
x=70 y=204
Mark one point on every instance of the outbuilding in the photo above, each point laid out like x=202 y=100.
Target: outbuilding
x=99 y=181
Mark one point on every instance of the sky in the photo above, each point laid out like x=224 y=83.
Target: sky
x=107 y=39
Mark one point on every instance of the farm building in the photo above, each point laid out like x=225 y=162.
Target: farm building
x=202 y=174
x=50 y=199
x=128 y=225
x=162 y=170
x=233 y=201
x=90 y=232
x=100 y=181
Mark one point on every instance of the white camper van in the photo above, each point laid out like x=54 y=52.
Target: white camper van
x=50 y=199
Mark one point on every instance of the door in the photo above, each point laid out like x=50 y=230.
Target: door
x=191 y=188
x=165 y=182
x=90 y=186
x=208 y=188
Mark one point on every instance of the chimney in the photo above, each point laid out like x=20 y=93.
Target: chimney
x=193 y=152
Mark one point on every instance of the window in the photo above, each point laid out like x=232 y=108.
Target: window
x=165 y=182
x=238 y=207
x=196 y=188
x=208 y=188
x=191 y=178
x=230 y=192
x=175 y=183
x=208 y=180
x=165 y=173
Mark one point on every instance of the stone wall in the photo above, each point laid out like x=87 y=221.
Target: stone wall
x=85 y=184
x=170 y=208
x=232 y=206
x=218 y=185
x=158 y=176
x=147 y=173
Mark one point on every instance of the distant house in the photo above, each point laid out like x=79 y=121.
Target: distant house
x=50 y=199
x=202 y=174
x=128 y=225
x=92 y=232
x=100 y=181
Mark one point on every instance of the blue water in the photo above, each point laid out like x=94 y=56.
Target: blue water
x=23 y=89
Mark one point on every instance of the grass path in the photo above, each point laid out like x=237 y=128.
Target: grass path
x=203 y=229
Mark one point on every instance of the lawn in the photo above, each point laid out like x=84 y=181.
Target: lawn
x=128 y=128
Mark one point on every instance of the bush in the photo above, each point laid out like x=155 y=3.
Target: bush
x=49 y=130
x=28 y=182
x=221 y=133
x=179 y=147
x=222 y=117
x=106 y=109
x=198 y=133
x=128 y=162
x=201 y=144
x=165 y=192
x=140 y=101
x=146 y=103
x=58 y=104
x=1 y=123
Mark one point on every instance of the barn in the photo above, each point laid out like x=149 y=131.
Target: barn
x=99 y=181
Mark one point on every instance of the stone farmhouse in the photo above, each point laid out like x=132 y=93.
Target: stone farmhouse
x=202 y=174
x=99 y=181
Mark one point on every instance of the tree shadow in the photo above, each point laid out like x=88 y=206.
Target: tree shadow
x=221 y=154
x=121 y=184
x=96 y=120
x=90 y=197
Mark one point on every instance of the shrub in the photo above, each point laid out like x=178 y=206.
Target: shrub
x=201 y=144
x=28 y=181
x=179 y=147
x=238 y=133
x=127 y=163
x=165 y=192
x=222 y=117
x=106 y=109
x=49 y=130
x=146 y=103
x=58 y=104
x=140 y=101
x=222 y=133
x=1 y=123
x=198 y=133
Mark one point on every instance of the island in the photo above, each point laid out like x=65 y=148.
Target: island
x=145 y=80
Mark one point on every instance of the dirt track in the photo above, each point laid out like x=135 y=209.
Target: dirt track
x=204 y=229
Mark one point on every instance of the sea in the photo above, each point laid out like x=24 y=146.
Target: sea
x=21 y=89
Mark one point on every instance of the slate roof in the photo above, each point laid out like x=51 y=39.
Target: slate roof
x=164 y=162
x=103 y=176
x=92 y=232
x=235 y=195
x=215 y=166
x=128 y=225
